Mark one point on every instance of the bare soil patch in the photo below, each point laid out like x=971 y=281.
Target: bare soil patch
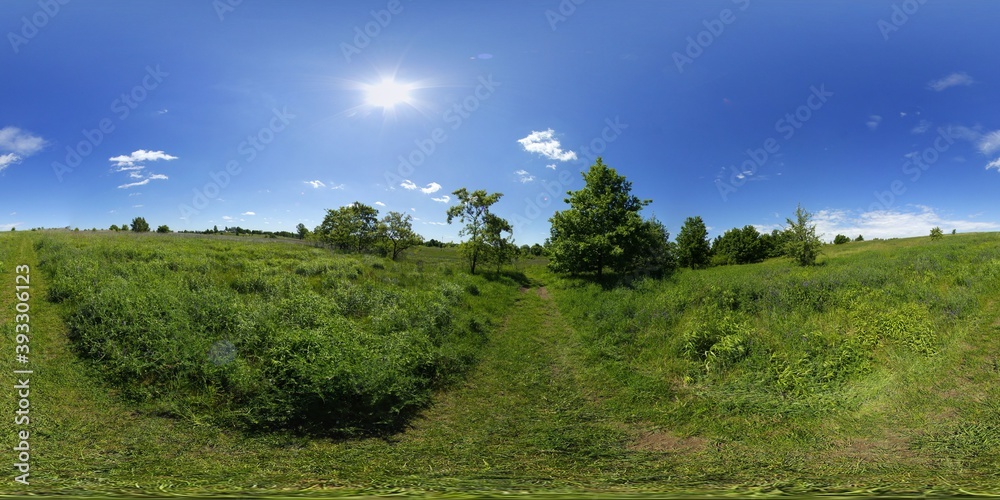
x=666 y=441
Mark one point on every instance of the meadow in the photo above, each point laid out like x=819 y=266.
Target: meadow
x=204 y=365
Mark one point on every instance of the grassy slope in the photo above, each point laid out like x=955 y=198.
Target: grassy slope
x=535 y=415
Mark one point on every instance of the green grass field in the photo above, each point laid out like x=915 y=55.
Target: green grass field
x=197 y=365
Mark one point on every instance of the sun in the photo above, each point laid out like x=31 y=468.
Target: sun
x=387 y=94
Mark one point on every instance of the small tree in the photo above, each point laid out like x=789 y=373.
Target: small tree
x=353 y=227
x=472 y=210
x=692 y=243
x=140 y=225
x=163 y=229
x=739 y=246
x=397 y=233
x=500 y=249
x=803 y=245
x=859 y=238
x=114 y=227
x=936 y=233
x=302 y=231
x=841 y=239
x=954 y=231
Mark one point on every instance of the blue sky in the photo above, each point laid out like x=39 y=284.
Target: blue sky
x=879 y=116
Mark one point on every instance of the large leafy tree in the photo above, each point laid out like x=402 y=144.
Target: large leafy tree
x=740 y=246
x=353 y=227
x=802 y=243
x=601 y=228
x=397 y=233
x=473 y=210
x=692 y=243
x=140 y=225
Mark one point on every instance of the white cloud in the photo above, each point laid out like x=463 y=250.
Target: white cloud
x=524 y=176
x=226 y=217
x=140 y=156
x=994 y=164
x=431 y=188
x=552 y=166
x=408 y=184
x=338 y=186
x=443 y=199
x=137 y=206
x=8 y=160
x=15 y=140
x=134 y=184
x=248 y=213
x=158 y=177
x=379 y=203
x=315 y=184
x=873 y=122
x=891 y=223
x=545 y=144
x=952 y=80
x=922 y=127
x=7 y=227
x=436 y=223
x=135 y=175
x=990 y=143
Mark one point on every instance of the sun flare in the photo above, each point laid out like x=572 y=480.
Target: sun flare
x=387 y=94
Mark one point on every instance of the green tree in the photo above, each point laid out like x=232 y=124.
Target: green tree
x=936 y=233
x=802 y=243
x=739 y=246
x=114 y=227
x=163 y=229
x=537 y=250
x=840 y=239
x=353 y=227
x=692 y=243
x=472 y=210
x=140 y=225
x=397 y=233
x=302 y=231
x=499 y=249
x=601 y=228
x=859 y=238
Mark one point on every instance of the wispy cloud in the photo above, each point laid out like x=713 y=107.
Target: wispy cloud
x=134 y=184
x=952 y=80
x=158 y=177
x=248 y=213
x=524 y=176
x=338 y=186
x=443 y=199
x=873 y=122
x=408 y=184
x=8 y=160
x=15 y=140
x=922 y=127
x=431 y=188
x=990 y=143
x=315 y=184
x=140 y=155
x=552 y=166
x=896 y=223
x=379 y=203
x=994 y=164
x=545 y=144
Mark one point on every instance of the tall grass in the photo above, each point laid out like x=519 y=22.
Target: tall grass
x=265 y=337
